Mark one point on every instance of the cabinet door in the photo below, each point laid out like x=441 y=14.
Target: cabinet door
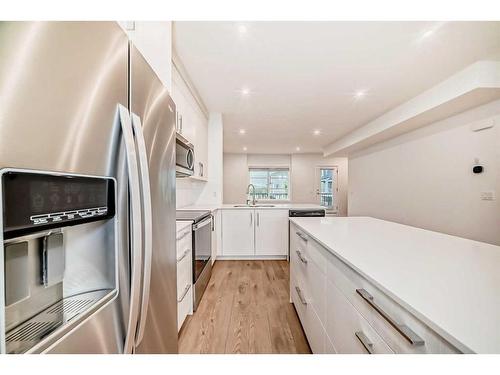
x=201 y=146
x=271 y=232
x=238 y=232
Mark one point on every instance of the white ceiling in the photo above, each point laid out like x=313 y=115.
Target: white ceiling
x=302 y=76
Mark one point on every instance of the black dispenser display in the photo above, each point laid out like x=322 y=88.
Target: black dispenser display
x=34 y=202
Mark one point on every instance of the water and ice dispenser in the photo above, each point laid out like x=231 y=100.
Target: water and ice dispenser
x=59 y=254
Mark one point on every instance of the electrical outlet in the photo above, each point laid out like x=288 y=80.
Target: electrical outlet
x=487 y=195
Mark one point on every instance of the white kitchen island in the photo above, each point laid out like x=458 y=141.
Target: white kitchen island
x=361 y=284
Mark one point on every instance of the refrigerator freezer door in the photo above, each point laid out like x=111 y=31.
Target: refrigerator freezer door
x=151 y=102
x=60 y=83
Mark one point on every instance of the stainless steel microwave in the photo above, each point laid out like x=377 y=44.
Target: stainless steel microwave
x=184 y=157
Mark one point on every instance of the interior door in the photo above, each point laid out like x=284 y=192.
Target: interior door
x=271 y=232
x=326 y=185
x=238 y=232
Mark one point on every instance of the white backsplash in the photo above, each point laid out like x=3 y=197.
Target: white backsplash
x=188 y=191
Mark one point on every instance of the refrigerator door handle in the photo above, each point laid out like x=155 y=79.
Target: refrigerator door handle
x=135 y=223
x=147 y=228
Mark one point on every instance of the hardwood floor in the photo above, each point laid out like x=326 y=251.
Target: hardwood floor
x=245 y=309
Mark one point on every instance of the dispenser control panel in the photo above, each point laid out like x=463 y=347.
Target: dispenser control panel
x=35 y=201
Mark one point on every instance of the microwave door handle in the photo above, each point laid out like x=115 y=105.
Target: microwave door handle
x=190 y=159
x=135 y=221
x=147 y=227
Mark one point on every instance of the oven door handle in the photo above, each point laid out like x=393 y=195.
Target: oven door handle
x=203 y=223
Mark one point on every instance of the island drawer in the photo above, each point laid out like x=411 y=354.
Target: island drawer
x=310 y=321
x=400 y=329
x=348 y=331
x=305 y=267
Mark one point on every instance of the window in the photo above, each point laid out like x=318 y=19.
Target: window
x=270 y=183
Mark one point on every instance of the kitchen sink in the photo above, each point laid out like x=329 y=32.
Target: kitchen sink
x=254 y=205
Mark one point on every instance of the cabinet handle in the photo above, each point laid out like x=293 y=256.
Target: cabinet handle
x=180 y=124
x=302 y=259
x=186 y=252
x=186 y=289
x=258 y=219
x=251 y=219
x=304 y=238
x=183 y=235
x=403 y=329
x=365 y=341
x=301 y=297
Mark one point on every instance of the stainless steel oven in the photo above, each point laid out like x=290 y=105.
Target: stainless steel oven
x=184 y=157
x=202 y=227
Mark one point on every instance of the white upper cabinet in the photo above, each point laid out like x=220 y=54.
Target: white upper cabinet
x=192 y=124
x=271 y=232
x=238 y=232
x=201 y=148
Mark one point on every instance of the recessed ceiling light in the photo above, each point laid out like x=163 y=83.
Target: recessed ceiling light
x=242 y=131
x=430 y=32
x=245 y=91
x=427 y=34
x=242 y=29
x=317 y=132
x=297 y=148
x=360 y=94
x=245 y=148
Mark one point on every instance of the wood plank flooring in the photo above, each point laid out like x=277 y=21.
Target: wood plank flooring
x=245 y=309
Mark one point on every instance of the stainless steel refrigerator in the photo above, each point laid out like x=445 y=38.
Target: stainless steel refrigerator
x=87 y=169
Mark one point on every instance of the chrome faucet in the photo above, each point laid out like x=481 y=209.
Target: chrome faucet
x=253 y=194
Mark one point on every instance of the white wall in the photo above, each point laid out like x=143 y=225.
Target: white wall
x=304 y=178
x=424 y=178
x=302 y=175
x=235 y=178
x=154 y=41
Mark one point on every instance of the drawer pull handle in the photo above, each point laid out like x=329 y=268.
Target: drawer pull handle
x=404 y=330
x=183 y=235
x=184 y=254
x=186 y=289
x=365 y=341
x=301 y=297
x=302 y=259
x=304 y=238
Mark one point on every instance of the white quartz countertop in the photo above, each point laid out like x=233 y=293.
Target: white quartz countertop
x=450 y=283
x=277 y=206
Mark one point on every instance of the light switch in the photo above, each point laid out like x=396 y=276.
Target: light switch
x=487 y=195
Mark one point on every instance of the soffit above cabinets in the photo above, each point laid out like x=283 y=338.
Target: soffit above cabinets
x=475 y=85
x=280 y=81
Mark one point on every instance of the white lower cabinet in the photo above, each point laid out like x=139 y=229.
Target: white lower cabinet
x=184 y=275
x=259 y=233
x=238 y=232
x=341 y=312
x=271 y=232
